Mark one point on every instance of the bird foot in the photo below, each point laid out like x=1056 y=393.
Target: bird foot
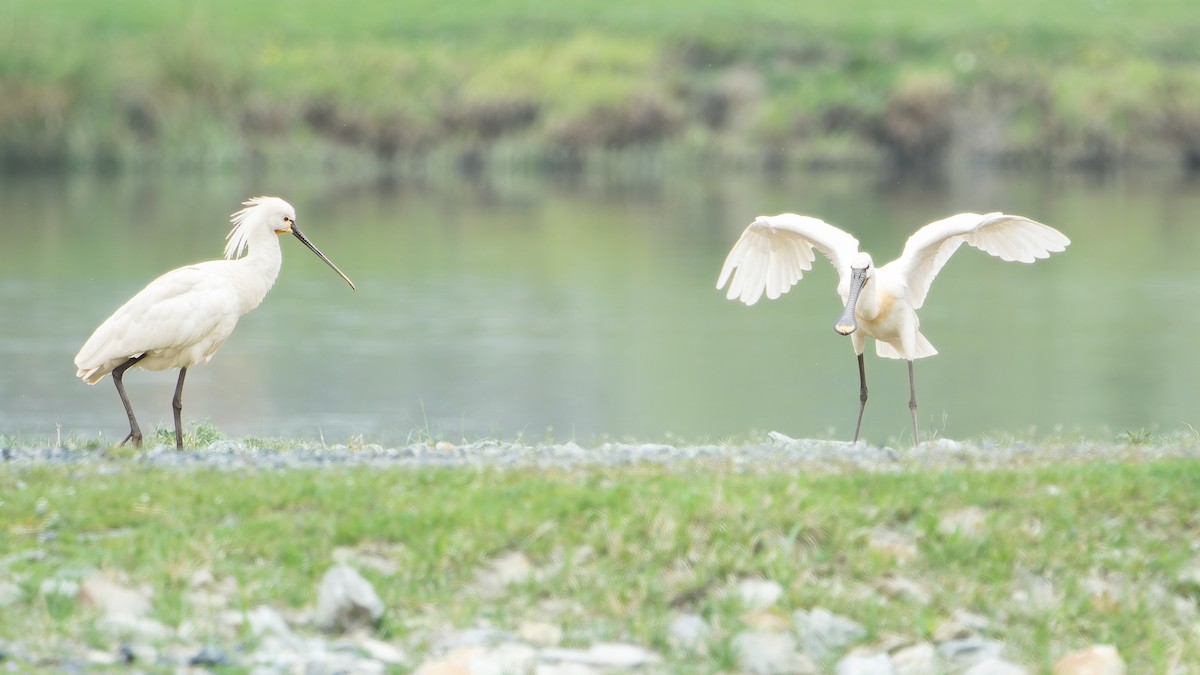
x=135 y=437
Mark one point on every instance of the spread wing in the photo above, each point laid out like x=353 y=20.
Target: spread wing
x=774 y=252
x=1011 y=238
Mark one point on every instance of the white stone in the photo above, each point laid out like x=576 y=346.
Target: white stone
x=540 y=633
x=770 y=654
x=824 y=633
x=110 y=597
x=688 y=632
x=995 y=666
x=345 y=601
x=604 y=655
x=969 y=651
x=263 y=620
x=864 y=664
x=67 y=588
x=507 y=570
x=758 y=593
x=917 y=659
x=10 y=593
x=1095 y=660
x=382 y=651
x=509 y=658
x=969 y=522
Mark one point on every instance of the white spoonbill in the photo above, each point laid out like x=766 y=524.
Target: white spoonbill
x=775 y=251
x=183 y=317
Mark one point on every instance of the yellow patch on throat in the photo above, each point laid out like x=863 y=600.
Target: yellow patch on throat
x=287 y=229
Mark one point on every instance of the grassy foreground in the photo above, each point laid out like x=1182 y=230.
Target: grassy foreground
x=222 y=82
x=629 y=547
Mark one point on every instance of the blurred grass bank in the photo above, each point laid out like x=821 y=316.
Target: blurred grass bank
x=563 y=85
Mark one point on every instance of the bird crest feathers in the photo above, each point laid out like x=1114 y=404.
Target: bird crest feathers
x=245 y=219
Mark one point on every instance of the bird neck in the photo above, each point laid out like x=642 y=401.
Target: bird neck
x=258 y=269
x=867 y=307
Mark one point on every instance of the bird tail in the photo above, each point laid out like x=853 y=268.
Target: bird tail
x=921 y=349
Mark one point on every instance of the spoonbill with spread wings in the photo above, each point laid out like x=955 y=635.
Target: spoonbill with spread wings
x=774 y=252
x=183 y=317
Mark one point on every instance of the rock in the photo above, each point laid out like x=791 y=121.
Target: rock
x=604 y=655
x=688 y=632
x=1095 y=660
x=918 y=659
x=540 y=633
x=263 y=620
x=759 y=594
x=494 y=579
x=472 y=637
x=864 y=664
x=1106 y=591
x=898 y=546
x=10 y=593
x=770 y=654
x=63 y=588
x=210 y=655
x=969 y=522
x=902 y=588
x=384 y=652
x=111 y=598
x=825 y=634
x=1033 y=594
x=134 y=627
x=346 y=601
x=503 y=659
x=963 y=652
x=564 y=669
x=960 y=624
x=766 y=620
x=995 y=666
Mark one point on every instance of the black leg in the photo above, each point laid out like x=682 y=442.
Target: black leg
x=135 y=434
x=177 y=406
x=912 y=404
x=862 y=395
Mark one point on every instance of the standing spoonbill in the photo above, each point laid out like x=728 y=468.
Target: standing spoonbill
x=774 y=252
x=183 y=317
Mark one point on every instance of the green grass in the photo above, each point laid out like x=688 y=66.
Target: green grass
x=631 y=546
x=212 y=83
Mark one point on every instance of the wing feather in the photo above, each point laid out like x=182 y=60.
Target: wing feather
x=774 y=252
x=1008 y=237
x=177 y=310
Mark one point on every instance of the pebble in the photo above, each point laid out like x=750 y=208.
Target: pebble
x=770 y=654
x=758 y=593
x=1095 y=660
x=532 y=648
x=864 y=664
x=771 y=453
x=346 y=601
x=688 y=632
x=825 y=633
x=917 y=659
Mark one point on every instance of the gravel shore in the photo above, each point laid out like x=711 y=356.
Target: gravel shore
x=774 y=451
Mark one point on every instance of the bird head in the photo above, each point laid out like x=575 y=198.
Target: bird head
x=280 y=217
x=861 y=271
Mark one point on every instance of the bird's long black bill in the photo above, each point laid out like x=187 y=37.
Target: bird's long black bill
x=846 y=323
x=304 y=240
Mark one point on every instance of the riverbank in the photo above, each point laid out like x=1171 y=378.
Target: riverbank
x=778 y=555
x=580 y=85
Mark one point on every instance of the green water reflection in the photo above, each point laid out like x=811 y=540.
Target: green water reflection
x=518 y=305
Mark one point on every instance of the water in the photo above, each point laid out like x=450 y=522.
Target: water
x=529 y=308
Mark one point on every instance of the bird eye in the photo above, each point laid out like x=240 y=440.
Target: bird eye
x=288 y=220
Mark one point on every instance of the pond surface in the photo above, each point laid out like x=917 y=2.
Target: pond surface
x=532 y=308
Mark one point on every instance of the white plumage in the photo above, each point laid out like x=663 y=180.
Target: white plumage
x=183 y=317
x=774 y=252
